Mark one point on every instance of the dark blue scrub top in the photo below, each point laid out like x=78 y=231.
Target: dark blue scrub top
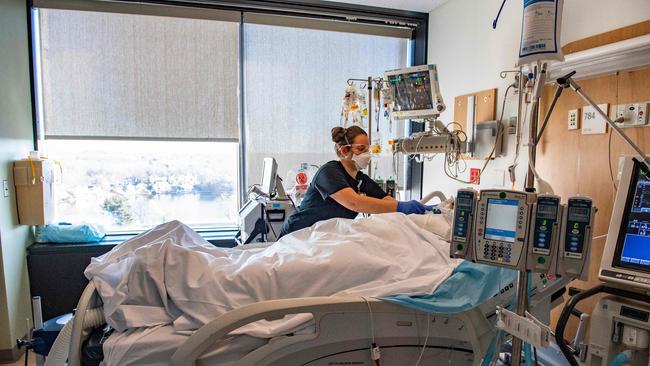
x=318 y=205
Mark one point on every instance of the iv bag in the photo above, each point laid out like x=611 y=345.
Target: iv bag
x=540 y=31
x=299 y=181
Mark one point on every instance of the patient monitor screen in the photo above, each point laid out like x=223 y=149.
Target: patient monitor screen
x=268 y=176
x=412 y=91
x=633 y=248
x=501 y=220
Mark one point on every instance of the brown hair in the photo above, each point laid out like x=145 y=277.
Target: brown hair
x=344 y=136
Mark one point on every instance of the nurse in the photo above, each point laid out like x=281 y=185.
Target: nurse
x=340 y=189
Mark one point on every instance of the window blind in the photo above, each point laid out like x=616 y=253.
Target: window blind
x=128 y=75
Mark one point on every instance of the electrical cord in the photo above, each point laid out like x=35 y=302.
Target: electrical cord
x=571 y=304
x=426 y=340
x=497 y=140
x=609 y=162
x=268 y=217
x=514 y=164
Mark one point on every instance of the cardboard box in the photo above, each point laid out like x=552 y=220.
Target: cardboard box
x=34 y=181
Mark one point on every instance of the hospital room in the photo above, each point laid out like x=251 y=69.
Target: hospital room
x=325 y=182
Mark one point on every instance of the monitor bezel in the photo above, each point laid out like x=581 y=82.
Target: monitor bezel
x=609 y=270
x=620 y=241
x=417 y=113
x=272 y=166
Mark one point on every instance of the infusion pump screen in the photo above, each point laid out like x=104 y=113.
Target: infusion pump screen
x=501 y=220
x=636 y=245
x=412 y=91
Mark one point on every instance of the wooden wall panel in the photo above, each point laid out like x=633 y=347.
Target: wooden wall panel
x=486 y=105
x=616 y=35
x=460 y=112
x=486 y=109
x=577 y=164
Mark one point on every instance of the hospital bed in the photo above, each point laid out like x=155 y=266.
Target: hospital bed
x=341 y=332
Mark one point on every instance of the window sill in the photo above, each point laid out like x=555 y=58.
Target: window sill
x=224 y=238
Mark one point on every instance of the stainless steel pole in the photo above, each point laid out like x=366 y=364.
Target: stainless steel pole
x=611 y=123
x=369 y=106
x=522 y=277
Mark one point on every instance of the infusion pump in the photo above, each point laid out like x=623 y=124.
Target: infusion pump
x=523 y=231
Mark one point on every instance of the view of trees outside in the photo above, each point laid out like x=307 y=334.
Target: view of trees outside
x=134 y=185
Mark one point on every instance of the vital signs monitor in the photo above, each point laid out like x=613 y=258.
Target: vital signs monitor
x=416 y=92
x=626 y=257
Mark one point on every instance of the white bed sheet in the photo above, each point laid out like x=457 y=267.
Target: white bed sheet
x=171 y=275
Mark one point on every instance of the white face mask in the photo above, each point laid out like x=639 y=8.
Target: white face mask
x=362 y=160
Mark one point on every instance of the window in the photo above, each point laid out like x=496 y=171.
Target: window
x=134 y=185
x=142 y=113
x=294 y=84
x=154 y=115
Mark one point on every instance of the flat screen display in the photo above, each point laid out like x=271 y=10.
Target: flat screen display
x=501 y=220
x=547 y=211
x=633 y=247
x=464 y=202
x=268 y=176
x=412 y=91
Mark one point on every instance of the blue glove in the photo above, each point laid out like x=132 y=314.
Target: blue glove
x=412 y=207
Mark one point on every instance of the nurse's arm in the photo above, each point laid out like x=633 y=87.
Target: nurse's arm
x=351 y=200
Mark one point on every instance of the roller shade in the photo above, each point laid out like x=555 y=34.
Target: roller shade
x=328 y=25
x=125 y=7
x=126 y=75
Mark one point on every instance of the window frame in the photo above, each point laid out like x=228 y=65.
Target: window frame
x=315 y=9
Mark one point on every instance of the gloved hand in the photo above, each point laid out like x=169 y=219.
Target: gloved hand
x=412 y=207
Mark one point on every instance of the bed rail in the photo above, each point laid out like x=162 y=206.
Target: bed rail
x=475 y=326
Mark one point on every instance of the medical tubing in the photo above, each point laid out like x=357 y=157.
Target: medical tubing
x=622 y=358
x=426 y=340
x=497 y=140
x=568 y=308
x=59 y=353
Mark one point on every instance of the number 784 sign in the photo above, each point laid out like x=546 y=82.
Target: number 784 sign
x=592 y=121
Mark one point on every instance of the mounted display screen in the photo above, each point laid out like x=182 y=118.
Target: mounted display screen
x=501 y=220
x=412 y=91
x=633 y=245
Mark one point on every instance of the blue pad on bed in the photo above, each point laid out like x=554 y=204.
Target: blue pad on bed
x=469 y=285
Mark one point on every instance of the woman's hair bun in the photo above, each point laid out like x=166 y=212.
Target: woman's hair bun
x=338 y=135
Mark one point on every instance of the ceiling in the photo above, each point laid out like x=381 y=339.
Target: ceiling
x=415 y=5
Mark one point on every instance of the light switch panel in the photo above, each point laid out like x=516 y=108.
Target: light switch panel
x=5 y=188
x=573 y=119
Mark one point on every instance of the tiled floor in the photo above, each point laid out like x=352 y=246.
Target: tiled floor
x=21 y=362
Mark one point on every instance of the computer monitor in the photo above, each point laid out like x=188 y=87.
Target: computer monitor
x=269 y=176
x=626 y=257
x=416 y=93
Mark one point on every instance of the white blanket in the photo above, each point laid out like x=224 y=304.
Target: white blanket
x=172 y=275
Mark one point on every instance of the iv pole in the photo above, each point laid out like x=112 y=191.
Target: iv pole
x=566 y=81
x=369 y=82
x=563 y=82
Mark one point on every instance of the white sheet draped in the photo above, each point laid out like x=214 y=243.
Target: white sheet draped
x=172 y=275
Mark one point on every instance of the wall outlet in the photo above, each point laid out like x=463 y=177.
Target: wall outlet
x=5 y=188
x=574 y=119
x=512 y=125
x=633 y=115
x=475 y=175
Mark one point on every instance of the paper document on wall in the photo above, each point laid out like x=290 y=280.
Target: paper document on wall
x=540 y=31
x=592 y=121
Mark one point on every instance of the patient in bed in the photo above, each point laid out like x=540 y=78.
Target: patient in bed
x=170 y=275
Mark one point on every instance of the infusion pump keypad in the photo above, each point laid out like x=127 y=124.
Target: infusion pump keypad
x=496 y=241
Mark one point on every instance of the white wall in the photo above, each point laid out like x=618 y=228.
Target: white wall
x=15 y=142
x=470 y=56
